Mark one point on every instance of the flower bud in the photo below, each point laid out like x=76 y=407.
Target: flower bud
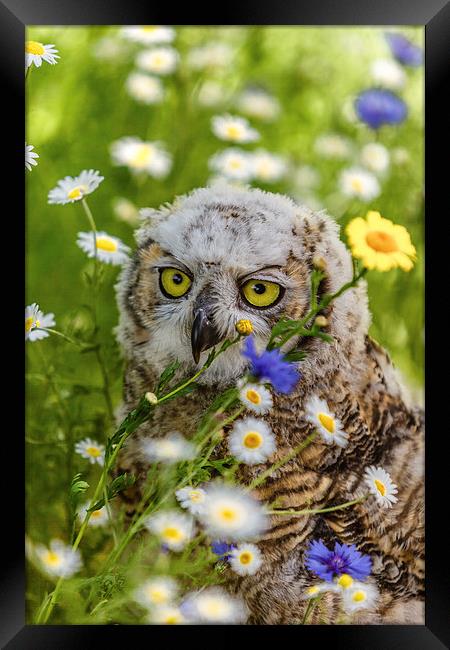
x=151 y=397
x=244 y=327
x=321 y=321
x=319 y=263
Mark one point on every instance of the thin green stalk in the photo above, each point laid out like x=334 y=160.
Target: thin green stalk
x=262 y=477
x=317 y=511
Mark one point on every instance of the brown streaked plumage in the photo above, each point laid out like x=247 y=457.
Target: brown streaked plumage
x=222 y=235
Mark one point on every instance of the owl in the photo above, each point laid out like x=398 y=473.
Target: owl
x=224 y=253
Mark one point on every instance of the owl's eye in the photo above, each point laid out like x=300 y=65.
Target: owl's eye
x=174 y=283
x=261 y=293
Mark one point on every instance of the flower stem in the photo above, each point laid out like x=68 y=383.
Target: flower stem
x=316 y=511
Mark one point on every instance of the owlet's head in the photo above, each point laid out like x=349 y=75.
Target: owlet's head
x=219 y=255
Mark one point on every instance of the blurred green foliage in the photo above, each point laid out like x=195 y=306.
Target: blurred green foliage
x=77 y=108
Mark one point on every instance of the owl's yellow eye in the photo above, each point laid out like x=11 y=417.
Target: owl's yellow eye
x=261 y=293
x=174 y=283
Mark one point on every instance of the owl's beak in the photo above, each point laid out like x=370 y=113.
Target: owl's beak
x=203 y=334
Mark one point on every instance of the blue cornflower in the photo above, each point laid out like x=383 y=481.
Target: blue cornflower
x=404 y=51
x=271 y=366
x=376 y=107
x=343 y=559
x=222 y=549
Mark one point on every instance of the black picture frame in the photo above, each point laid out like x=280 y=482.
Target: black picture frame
x=435 y=16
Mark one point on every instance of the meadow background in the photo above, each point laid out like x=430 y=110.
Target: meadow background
x=77 y=108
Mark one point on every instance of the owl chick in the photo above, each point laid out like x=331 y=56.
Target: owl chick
x=222 y=254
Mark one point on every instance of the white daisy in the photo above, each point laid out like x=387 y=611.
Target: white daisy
x=159 y=590
x=325 y=422
x=37 y=52
x=246 y=559
x=359 y=183
x=360 y=595
x=214 y=605
x=145 y=88
x=211 y=93
x=375 y=157
x=251 y=441
x=332 y=145
x=58 y=560
x=148 y=34
x=381 y=486
x=140 y=156
x=109 y=49
x=234 y=164
x=30 y=156
x=34 y=320
x=125 y=211
x=210 y=55
x=160 y=60
x=91 y=450
x=173 y=528
x=268 y=167
x=258 y=104
x=388 y=73
x=400 y=156
x=167 y=615
x=231 y=514
x=306 y=177
x=98 y=517
x=171 y=449
x=73 y=189
x=110 y=250
x=257 y=398
x=192 y=499
x=233 y=128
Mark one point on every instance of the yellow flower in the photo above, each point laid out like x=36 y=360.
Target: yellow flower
x=244 y=327
x=380 y=244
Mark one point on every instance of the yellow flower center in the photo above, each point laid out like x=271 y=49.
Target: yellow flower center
x=96 y=514
x=227 y=514
x=359 y=596
x=93 y=451
x=158 y=60
x=312 y=590
x=327 y=422
x=245 y=558
x=235 y=163
x=156 y=595
x=264 y=168
x=356 y=185
x=233 y=131
x=213 y=608
x=172 y=619
x=244 y=326
x=380 y=487
x=173 y=534
x=195 y=496
x=33 y=47
x=142 y=155
x=381 y=242
x=149 y=29
x=29 y=323
x=253 y=396
x=345 y=581
x=252 y=440
x=52 y=558
x=106 y=244
x=77 y=192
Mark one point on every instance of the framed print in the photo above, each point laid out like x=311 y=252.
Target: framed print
x=224 y=272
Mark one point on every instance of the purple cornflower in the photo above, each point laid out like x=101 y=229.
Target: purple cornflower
x=271 y=366
x=343 y=559
x=222 y=549
x=377 y=106
x=404 y=51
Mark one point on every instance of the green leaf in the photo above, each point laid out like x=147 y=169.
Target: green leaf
x=77 y=488
x=166 y=376
x=295 y=355
x=120 y=483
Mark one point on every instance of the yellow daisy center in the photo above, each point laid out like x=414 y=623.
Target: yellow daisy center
x=213 y=607
x=106 y=244
x=149 y=29
x=93 y=451
x=345 y=581
x=156 y=595
x=244 y=326
x=252 y=440
x=245 y=557
x=173 y=534
x=29 y=323
x=33 y=47
x=195 y=496
x=253 y=396
x=312 y=590
x=359 y=596
x=381 y=242
x=235 y=164
x=356 y=185
x=327 y=422
x=52 y=558
x=142 y=155
x=233 y=131
x=76 y=192
x=264 y=168
x=227 y=514
x=380 y=487
x=96 y=514
x=158 y=60
x=172 y=619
